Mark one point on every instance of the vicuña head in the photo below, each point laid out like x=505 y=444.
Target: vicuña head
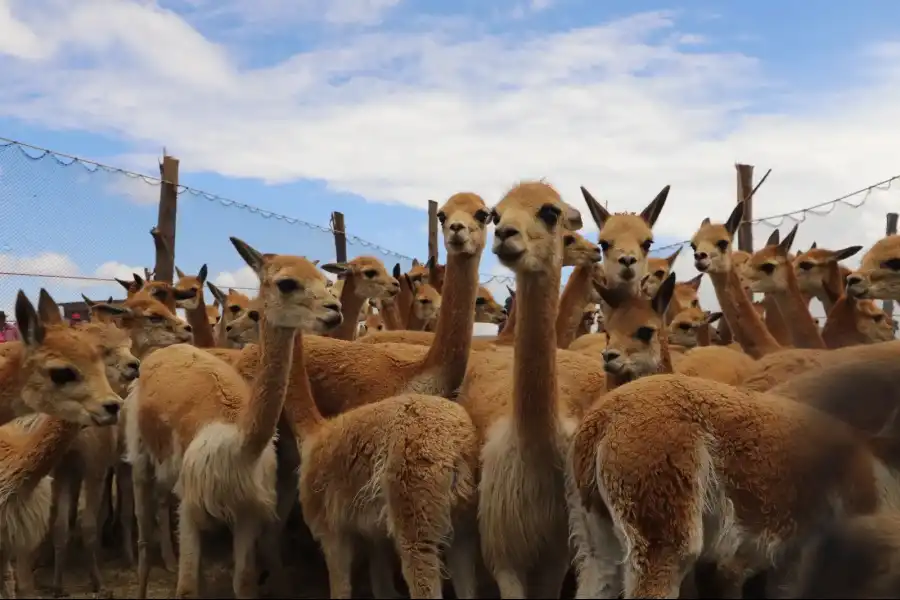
x=464 y=218
x=292 y=290
x=374 y=322
x=683 y=328
x=878 y=275
x=245 y=328
x=530 y=223
x=625 y=239
x=159 y=290
x=813 y=267
x=62 y=372
x=712 y=243
x=151 y=324
x=634 y=325
x=212 y=313
x=657 y=271
x=579 y=252
x=769 y=269
x=233 y=303
x=370 y=278
x=872 y=322
x=427 y=302
x=487 y=309
x=122 y=367
x=189 y=289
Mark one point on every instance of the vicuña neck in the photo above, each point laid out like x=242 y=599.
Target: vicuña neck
x=794 y=308
x=199 y=322
x=534 y=362
x=743 y=320
x=571 y=305
x=351 y=305
x=840 y=326
x=260 y=418
x=775 y=321
x=43 y=449
x=456 y=321
x=300 y=404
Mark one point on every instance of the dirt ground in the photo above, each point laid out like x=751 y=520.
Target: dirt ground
x=306 y=571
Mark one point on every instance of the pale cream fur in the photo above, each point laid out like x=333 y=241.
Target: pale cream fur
x=525 y=423
x=59 y=372
x=206 y=432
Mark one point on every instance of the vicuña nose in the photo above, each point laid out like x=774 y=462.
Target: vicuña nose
x=112 y=407
x=188 y=328
x=505 y=232
x=456 y=227
x=610 y=355
x=627 y=261
x=333 y=306
x=700 y=256
x=854 y=279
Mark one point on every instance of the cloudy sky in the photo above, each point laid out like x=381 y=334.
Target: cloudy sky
x=372 y=107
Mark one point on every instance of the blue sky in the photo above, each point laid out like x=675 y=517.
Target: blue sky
x=371 y=107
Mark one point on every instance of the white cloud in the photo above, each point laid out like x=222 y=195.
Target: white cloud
x=285 y=12
x=116 y=270
x=134 y=189
x=16 y=38
x=18 y=272
x=244 y=278
x=402 y=116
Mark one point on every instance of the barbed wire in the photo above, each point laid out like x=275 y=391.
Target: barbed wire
x=91 y=166
x=67 y=160
x=799 y=215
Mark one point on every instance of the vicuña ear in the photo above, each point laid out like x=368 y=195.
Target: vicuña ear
x=654 y=209
x=664 y=294
x=341 y=270
x=218 y=294
x=598 y=213
x=785 y=246
x=28 y=322
x=48 y=309
x=179 y=272
x=201 y=275
x=734 y=220
x=253 y=257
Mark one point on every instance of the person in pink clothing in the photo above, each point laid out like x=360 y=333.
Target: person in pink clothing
x=8 y=333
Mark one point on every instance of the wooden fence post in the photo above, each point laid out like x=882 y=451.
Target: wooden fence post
x=890 y=229
x=340 y=236
x=744 y=187
x=166 y=223
x=432 y=230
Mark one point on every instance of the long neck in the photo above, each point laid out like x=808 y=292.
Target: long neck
x=258 y=421
x=300 y=404
x=199 y=322
x=351 y=305
x=832 y=287
x=775 y=321
x=449 y=351
x=404 y=301
x=724 y=331
x=11 y=380
x=665 y=357
x=534 y=364
x=43 y=449
x=744 y=322
x=796 y=314
x=703 y=335
x=508 y=333
x=571 y=305
x=221 y=335
x=840 y=327
x=391 y=315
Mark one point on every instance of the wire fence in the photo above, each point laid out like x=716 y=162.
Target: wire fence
x=73 y=226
